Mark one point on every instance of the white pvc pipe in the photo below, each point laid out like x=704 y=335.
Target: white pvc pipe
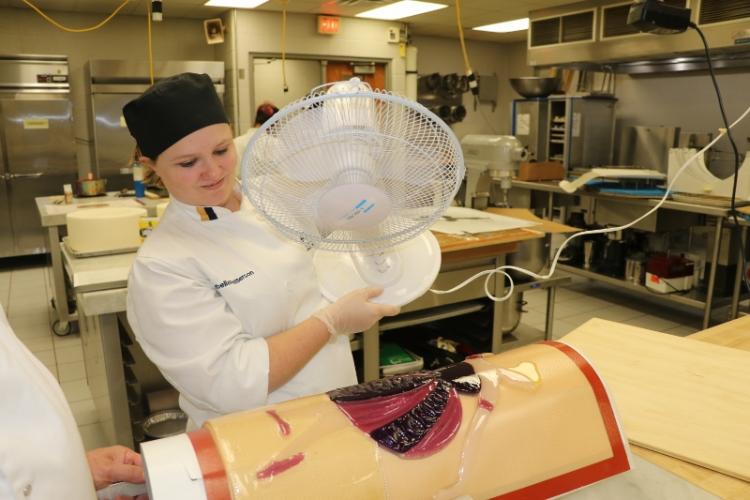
x=172 y=469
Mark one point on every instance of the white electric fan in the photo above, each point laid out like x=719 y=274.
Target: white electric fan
x=358 y=175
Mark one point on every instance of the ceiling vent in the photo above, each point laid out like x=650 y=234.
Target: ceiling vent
x=717 y=11
x=545 y=32
x=578 y=27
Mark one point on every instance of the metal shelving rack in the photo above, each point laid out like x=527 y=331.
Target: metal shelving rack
x=692 y=298
x=696 y=299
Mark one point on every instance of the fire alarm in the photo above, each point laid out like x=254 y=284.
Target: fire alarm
x=328 y=25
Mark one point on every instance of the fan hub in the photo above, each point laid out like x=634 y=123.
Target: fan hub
x=353 y=207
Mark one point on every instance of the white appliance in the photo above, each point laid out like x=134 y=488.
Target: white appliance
x=489 y=158
x=700 y=181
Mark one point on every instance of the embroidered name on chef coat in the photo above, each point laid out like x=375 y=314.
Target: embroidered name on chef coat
x=238 y=279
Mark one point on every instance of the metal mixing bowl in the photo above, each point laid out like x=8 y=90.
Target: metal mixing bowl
x=90 y=187
x=165 y=423
x=535 y=86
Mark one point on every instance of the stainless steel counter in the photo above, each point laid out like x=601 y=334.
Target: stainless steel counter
x=553 y=187
x=52 y=212
x=721 y=215
x=97 y=273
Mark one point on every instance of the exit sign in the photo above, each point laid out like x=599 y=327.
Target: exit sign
x=328 y=25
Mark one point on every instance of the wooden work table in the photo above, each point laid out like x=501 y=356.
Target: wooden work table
x=735 y=334
x=479 y=246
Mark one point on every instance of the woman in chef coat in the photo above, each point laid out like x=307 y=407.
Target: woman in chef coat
x=226 y=306
x=264 y=113
x=41 y=453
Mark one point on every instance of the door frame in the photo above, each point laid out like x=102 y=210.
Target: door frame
x=315 y=57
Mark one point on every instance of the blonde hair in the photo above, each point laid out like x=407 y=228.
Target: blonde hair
x=150 y=177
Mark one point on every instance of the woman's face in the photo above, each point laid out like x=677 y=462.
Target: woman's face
x=199 y=168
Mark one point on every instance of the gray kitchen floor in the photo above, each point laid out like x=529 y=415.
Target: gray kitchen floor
x=25 y=295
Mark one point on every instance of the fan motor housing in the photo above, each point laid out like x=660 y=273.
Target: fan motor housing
x=353 y=206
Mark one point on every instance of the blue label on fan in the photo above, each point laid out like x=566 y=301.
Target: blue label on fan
x=359 y=208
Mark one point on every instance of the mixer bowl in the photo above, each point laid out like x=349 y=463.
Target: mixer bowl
x=535 y=86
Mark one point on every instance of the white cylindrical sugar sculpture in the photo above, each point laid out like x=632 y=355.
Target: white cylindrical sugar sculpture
x=104 y=229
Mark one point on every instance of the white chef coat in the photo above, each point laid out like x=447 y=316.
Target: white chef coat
x=207 y=286
x=41 y=453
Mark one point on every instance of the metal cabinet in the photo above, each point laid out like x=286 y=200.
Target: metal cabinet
x=37 y=146
x=581 y=131
x=6 y=230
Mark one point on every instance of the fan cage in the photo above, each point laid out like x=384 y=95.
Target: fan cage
x=368 y=136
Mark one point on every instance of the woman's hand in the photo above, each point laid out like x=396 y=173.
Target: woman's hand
x=114 y=464
x=354 y=312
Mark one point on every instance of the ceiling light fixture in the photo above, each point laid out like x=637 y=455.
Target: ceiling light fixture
x=506 y=27
x=235 y=4
x=400 y=10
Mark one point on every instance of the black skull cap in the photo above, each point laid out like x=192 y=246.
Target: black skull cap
x=171 y=109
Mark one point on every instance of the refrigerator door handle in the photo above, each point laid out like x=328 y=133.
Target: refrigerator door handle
x=33 y=175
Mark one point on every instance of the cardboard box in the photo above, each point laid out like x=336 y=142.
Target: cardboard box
x=541 y=171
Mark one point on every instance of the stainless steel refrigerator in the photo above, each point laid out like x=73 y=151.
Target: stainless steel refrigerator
x=112 y=84
x=37 y=146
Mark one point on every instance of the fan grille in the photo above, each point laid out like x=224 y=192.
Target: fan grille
x=372 y=137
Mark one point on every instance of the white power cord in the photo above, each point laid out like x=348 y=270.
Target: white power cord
x=501 y=270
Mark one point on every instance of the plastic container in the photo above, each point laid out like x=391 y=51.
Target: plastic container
x=395 y=360
x=68 y=193
x=669 y=285
x=138 y=185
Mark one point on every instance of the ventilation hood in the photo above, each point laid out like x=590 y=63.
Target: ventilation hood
x=596 y=31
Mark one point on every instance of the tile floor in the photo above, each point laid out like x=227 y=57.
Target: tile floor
x=25 y=294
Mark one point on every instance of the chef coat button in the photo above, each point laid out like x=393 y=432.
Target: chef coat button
x=27 y=490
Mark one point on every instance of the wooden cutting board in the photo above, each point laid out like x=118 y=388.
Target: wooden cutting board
x=681 y=397
x=454 y=243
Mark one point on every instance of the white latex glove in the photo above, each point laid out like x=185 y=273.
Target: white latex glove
x=354 y=312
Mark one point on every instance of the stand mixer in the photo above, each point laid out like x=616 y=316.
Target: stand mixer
x=489 y=158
